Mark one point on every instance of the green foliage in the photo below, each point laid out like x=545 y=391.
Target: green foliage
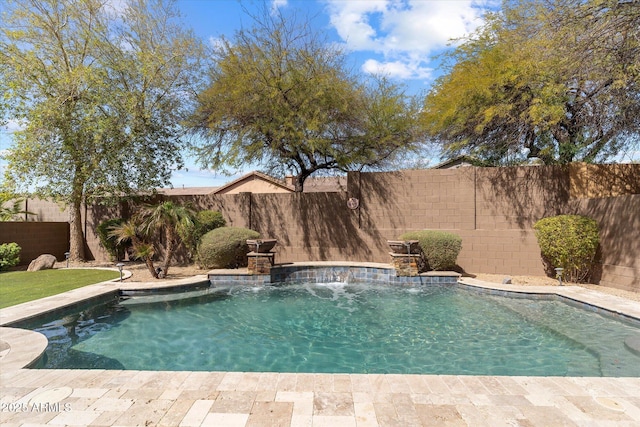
x=556 y=80
x=440 y=248
x=102 y=97
x=9 y=255
x=209 y=220
x=569 y=242
x=172 y=219
x=204 y=222
x=11 y=207
x=283 y=98
x=110 y=242
x=225 y=247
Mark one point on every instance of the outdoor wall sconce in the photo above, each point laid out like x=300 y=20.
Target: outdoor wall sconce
x=120 y=265
x=353 y=203
x=66 y=256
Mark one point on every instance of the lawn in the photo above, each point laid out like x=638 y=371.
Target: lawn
x=21 y=286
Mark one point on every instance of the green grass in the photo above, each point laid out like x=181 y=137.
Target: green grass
x=21 y=286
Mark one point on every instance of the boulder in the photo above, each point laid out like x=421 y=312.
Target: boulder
x=43 y=262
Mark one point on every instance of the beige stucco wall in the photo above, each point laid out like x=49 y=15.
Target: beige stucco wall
x=253 y=185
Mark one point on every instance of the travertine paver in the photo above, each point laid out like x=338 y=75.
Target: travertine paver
x=134 y=398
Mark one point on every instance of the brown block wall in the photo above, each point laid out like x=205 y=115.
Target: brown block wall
x=36 y=238
x=619 y=222
x=492 y=209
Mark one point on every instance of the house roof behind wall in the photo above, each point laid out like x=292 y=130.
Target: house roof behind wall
x=266 y=184
x=258 y=182
x=187 y=191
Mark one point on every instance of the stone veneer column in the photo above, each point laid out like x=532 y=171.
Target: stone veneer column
x=406 y=265
x=260 y=263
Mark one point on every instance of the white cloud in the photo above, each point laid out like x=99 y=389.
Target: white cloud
x=275 y=4
x=12 y=126
x=405 y=32
x=398 y=69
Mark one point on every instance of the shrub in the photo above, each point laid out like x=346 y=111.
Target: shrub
x=204 y=222
x=569 y=242
x=207 y=221
x=440 y=248
x=110 y=242
x=9 y=255
x=225 y=247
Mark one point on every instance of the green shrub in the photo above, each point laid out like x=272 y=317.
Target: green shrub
x=440 y=248
x=209 y=220
x=9 y=255
x=204 y=222
x=225 y=247
x=569 y=242
x=110 y=242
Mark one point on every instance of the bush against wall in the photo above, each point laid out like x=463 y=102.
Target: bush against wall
x=440 y=248
x=110 y=242
x=569 y=242
x=204 y=222
x=9 y=255
x=225 y=247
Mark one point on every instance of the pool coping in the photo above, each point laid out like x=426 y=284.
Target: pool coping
x=25 y=348
x=288 y=399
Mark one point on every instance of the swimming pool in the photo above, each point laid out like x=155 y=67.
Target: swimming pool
x=343 y=328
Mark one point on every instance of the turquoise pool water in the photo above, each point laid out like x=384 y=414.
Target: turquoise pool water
x=343 y=328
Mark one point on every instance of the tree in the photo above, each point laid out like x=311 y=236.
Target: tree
x=130 y=232
x=281 y=98
x=172 y=220
x=556 y=80
x=101 y=93
x=142 y=231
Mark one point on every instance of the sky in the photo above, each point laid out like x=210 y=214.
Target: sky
x=398 y=38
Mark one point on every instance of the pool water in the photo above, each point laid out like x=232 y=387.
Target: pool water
x=343 y=328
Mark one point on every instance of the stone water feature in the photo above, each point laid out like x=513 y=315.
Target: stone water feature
x=405 y=257
x=261 y=258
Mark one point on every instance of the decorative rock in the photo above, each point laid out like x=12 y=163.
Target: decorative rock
x=506 y=281
x=43 y=262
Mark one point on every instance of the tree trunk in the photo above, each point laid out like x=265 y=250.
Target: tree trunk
x=168 y=253
x=298 y=184
x=152 y=269
x=76 y=238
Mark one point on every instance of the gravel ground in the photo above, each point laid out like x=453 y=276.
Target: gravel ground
x=142 y=274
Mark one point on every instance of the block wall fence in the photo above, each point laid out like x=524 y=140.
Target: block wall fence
x=492 y=209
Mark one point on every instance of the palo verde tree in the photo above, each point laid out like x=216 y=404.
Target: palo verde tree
x=100 y=90
x=283 y=98
x=557 y=80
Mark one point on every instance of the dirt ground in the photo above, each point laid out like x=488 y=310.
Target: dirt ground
x=142 y=274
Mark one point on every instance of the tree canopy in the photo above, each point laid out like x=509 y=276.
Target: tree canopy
x=283 y=98
x=100 y=90
x=557 y=80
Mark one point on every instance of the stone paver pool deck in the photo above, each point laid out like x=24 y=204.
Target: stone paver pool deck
x=30 y=397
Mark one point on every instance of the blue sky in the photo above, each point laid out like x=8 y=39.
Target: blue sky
x=399 y=38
